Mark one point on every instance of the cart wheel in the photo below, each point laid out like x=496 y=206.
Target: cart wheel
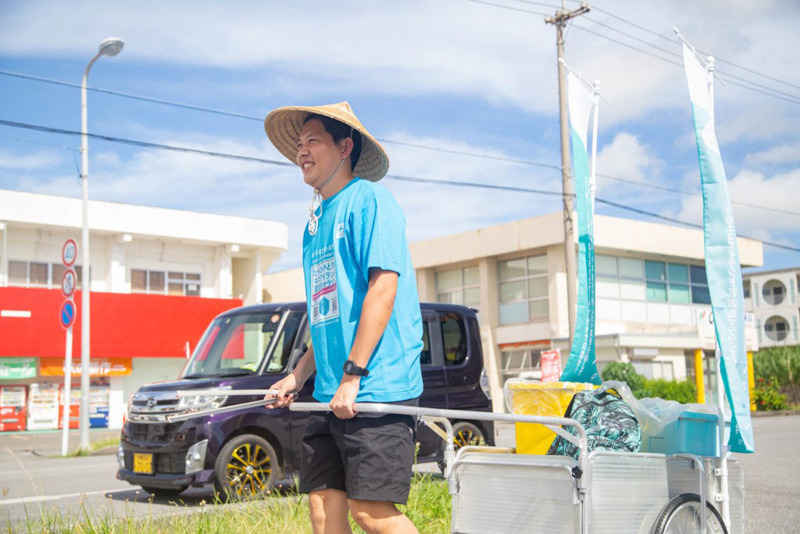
x=164 y=492
x=682 y=515
x=246 y=467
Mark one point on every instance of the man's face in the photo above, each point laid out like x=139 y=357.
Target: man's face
x=317 y=154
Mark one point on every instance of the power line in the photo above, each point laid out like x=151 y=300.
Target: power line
x=767 y=91
x=672 y=40
x=509 y=7
x=146 y=144
x=393 y=177
x=753 y=86
x=587 y=30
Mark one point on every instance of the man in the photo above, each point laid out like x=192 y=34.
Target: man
x=366 y=327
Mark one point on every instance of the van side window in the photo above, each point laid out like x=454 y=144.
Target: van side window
x=454 y=338
x=284 y=344
x=425 y=356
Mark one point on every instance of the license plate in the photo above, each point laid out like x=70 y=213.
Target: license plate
x=143 y=463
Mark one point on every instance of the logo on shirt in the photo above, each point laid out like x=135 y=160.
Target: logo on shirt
x=324 y=297
x=339 y=233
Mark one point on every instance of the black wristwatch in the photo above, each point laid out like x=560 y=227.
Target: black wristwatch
x=350 y=368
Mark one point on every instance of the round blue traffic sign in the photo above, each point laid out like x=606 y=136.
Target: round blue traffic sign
x=66 y=315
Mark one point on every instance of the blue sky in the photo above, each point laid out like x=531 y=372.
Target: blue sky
x=468 y=77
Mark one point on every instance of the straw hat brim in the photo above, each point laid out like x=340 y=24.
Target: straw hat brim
x=283 y=127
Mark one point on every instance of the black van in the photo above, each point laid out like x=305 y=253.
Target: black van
x=246 y=452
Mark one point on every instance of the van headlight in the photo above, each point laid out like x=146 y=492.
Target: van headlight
x=202 y=402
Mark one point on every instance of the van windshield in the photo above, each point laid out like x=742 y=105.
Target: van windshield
x=243 y=344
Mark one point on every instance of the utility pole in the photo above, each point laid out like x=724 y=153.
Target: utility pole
x=559 y=20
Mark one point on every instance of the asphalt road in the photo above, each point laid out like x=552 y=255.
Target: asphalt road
x=34 y=484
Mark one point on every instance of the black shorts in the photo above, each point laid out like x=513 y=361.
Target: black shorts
x=369 y=458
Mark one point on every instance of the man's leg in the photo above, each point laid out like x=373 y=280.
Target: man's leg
x=322 y=477
x=377 y=517
x=329 y=512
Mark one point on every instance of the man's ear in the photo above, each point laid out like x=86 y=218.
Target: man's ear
x=347 y=148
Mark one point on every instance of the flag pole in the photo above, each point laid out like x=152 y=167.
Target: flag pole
x=595 y=119
x=723 y=453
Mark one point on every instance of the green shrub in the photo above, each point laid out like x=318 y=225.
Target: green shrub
x=768 y=397
x=625 y=372
x=780 y=365
x=684 y=392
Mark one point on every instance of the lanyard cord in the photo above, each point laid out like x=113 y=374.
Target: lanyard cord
x=316 y=203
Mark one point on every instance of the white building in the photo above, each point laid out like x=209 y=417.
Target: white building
x=158 y=276
x=650 y=287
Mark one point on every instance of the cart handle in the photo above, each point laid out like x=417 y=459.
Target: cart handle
x=553 y=423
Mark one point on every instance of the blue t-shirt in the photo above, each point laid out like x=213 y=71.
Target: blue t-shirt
x=361 y=227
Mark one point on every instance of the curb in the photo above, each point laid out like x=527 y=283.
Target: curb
x=775 y=413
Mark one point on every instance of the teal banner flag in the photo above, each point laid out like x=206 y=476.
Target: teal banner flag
x=581 y=365
x=722 y=258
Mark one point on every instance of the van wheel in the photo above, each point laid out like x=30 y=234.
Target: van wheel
x=164 y=492
x=464 y=433
x=245 y=468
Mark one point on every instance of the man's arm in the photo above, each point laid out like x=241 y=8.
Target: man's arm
x=375 y=313
x=295 y=380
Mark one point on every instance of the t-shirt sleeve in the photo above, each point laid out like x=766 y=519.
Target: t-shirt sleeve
x=379 y=236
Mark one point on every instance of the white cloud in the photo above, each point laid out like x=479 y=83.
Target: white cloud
x=776 y=155
x=416 y=47
x=35 y=161
x=626 y=157
x=748 y=189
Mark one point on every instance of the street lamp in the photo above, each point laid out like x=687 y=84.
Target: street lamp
x=109 y=47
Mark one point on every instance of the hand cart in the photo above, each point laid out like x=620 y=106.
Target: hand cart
x=495 y=490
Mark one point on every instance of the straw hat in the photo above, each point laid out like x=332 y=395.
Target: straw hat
x=283 y=126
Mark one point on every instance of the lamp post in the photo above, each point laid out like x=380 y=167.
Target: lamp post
x=109 y=47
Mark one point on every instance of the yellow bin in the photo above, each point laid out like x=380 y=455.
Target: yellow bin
x=535 y=398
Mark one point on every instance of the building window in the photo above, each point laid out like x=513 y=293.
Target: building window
x=774 y=292
x=523 y=290
x=653 y=281
x=39 y=274
x=699 y=282
x=669 y=282
x=459 y=286
x=776 y=328
x=522 y=360
x=746 y=290
x=161 y=283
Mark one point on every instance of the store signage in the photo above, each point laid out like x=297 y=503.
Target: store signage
x=550 y=361
x=707 y=333
x=98 y=367
x=17 y=368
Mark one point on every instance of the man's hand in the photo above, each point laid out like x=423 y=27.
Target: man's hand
x=343 y=402
x=286 y=388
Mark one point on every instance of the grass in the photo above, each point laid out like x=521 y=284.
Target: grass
x=99 y=444
x=428 y=508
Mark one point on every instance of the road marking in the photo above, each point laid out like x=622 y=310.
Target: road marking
x=44 y=498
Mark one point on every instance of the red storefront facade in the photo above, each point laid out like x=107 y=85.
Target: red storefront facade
x=128 y=332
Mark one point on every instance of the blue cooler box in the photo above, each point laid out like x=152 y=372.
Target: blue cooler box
x=692 y=433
